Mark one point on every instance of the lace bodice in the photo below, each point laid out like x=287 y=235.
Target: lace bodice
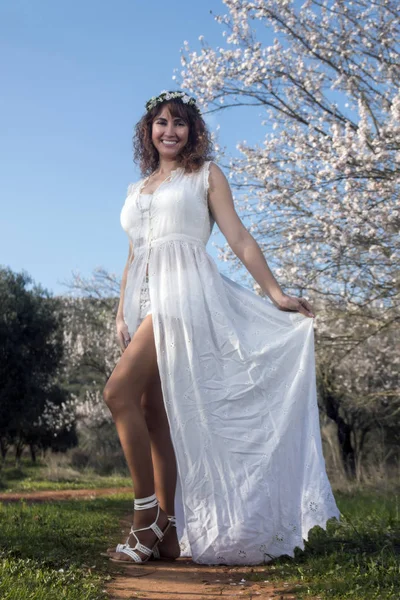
x=178 y=206
x=144 y=200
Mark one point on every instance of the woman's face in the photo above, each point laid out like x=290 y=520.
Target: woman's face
x=166 y=128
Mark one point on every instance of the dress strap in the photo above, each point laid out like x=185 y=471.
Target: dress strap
x=132 y=187
x=206 y=173
x=205 y=187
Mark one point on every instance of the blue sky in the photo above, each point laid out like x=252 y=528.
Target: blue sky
x=75 y=79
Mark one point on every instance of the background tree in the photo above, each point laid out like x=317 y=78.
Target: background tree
x=92 y=352
x=31 y=352
x=321 y=188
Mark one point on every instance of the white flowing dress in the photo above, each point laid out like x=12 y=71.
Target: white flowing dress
x=239 y=387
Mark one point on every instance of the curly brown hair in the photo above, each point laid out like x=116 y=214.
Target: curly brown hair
x=196 y=151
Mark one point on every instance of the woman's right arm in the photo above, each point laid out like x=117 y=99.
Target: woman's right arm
x=122 y=329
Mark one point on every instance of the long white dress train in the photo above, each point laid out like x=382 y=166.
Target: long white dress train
x=238 y=381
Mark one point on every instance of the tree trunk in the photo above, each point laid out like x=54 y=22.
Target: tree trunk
x=330 y=435
x=3 y=449
x=348 y=454
x=19 y=448
x=359 y=440
x=33 y=452
x=331 y=403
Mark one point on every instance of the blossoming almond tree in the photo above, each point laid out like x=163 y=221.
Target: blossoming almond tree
x=90 y=342
x=321 y=188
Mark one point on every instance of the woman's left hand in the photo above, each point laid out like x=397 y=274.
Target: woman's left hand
x=289 y=303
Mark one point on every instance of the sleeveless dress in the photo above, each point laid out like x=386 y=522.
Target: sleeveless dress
x=238 y=382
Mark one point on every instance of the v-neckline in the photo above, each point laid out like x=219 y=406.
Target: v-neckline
x=168 y=178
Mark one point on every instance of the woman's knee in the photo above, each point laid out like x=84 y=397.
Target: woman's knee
x=110 y=394
x=116 y=396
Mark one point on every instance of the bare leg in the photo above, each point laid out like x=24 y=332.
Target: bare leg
x=164 y=461
x=136 y=369
x=162 y=451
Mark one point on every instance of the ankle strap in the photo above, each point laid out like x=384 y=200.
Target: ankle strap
x=143 y=503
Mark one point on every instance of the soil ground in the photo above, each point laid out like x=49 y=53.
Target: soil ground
x=51 y=495
x=184 y=580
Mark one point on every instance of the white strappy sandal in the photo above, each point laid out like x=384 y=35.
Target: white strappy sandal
x=156 y=550
x=142 y=504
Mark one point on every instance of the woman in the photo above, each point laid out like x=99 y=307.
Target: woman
x=214 y=395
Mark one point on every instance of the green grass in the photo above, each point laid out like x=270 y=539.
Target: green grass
x=41 y=476
x=51 y=551
x=358 y=558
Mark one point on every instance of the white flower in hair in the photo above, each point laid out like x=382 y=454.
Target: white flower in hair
x=166 y=95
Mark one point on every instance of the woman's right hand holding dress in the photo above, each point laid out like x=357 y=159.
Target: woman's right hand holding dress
x=122 y=333
x=122 y=329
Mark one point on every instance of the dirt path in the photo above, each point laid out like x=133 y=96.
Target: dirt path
x=175 y=580
x=184 y=580
x=50 y=495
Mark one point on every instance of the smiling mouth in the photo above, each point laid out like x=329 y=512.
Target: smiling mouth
x=169 y=143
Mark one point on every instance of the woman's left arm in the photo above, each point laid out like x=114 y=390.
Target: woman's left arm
x=220 y=202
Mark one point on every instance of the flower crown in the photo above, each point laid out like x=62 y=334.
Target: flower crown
x=165 y=95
